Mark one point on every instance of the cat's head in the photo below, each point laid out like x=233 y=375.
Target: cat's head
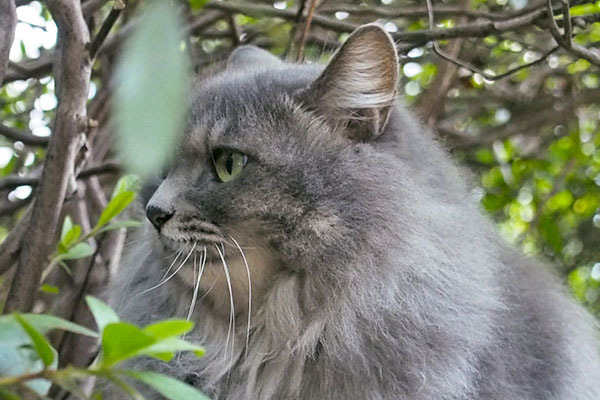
x=279 y=158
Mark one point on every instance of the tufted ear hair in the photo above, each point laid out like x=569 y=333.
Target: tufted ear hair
x=251 y=57
x=358 y=86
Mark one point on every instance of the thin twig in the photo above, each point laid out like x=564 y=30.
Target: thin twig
x=107 y=25
x=568 y=28
x=24 y=137
x=491 y=77
x=573 y=48
x=305 y=28
x=13 y=181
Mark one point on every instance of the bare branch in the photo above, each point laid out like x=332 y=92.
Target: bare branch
x=490 y=77
x=72 y=74
x=8 y=23
x=107 y=25
x=573 y=48
x=305 y=27
x=25 y=137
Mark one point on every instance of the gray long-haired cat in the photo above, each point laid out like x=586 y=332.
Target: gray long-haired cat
x=372 y=273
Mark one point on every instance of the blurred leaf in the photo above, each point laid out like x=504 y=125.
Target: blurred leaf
x=80 y=250
x=102 y=312
x=128 y=223
x=116 y=205
x=127 y=183
x=198 y=4
x=41 y=322
x=585 y=9
x=41 y=345
x=6 y=395
x=169 y=387
x=50 y=289
x=169 y=328
x=152 y=80
x=551 y=233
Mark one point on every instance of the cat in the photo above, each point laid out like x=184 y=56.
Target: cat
x=373 y=273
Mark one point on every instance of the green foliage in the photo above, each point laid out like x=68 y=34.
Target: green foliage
x=27 y=358
x=151 y=83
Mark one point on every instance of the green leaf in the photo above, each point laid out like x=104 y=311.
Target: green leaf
x=169 y=328
x=44 y=323
x=115 y=207
x=66 y=227
x=103 y=314
x=172 y=345
x=128 y=223
x=41 y=345
x=170 y=388
x=585 y=9
x=50 y=289
x=198 y=4
x=121 y=341
x=148 y=125
x=6 y=395
x=80 y=250
x=72 y=236
x=127 y=183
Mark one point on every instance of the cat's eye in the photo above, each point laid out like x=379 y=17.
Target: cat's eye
x=229 y=164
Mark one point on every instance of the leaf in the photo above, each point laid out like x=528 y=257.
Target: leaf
x=50 y=289
x=45 y=323
x=71 y=236
x=198 y=4
x=80 y=250
x=103 y=314
x=170 y=388
x=585 y=9
x=169 y=328
x=148 y=125
x=121 y=341
x=6 y=395
x=127 y=183
x=41 y=345
x=115 y=207
x=172 y=345
x=128 y=223
x=66 y=227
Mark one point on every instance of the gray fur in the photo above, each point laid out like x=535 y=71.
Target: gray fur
x=384 y=281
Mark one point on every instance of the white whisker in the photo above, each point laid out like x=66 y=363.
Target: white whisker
x=173 y=263
x=197 y=285
x=231 y=328
x=249 y=293
x=174 y=273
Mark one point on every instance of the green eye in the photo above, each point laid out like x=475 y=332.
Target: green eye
x=229 y=164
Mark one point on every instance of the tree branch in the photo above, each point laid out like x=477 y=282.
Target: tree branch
x=8 y=23
x=72 y=74
x=25 y=137
x=107 y=25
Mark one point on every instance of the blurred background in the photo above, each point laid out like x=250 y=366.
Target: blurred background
x=520 y=112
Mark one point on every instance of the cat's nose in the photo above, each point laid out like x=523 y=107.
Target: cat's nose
x=158 y=216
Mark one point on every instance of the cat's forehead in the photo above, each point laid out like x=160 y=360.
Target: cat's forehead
x=230 y=107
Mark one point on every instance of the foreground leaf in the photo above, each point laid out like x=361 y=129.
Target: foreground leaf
x=169 y=387
x=41 y=345
x=102 y=313
x=152 y=81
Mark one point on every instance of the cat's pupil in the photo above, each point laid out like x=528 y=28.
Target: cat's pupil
x=229 y=164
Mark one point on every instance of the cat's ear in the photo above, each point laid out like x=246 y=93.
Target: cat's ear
x=251 y=57
x=358 y=86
